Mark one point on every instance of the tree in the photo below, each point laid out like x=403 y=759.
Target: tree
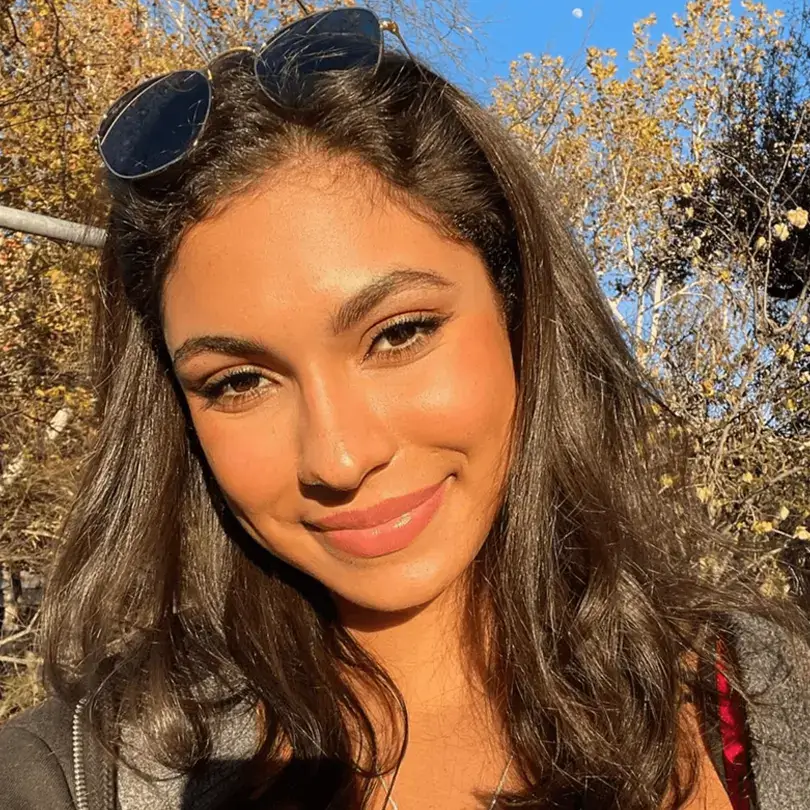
x=687 y=181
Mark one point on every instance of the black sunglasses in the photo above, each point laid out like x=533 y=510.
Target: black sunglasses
x=157 y=123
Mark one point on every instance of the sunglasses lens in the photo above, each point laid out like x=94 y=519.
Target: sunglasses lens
x=154 y=125
x=330 y=41
x=122 y=102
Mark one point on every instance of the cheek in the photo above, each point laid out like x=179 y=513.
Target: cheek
x=251 y=456
x=466 y=390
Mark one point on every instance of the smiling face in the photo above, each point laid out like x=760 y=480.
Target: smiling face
x=350 y=380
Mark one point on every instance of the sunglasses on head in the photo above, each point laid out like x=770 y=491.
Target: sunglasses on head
x=157 y=123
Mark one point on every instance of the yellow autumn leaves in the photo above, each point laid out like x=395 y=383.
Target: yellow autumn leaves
x=797 y=218
x=761 y=527
x=633 y=149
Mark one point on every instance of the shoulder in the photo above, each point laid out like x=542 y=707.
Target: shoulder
x=35 y=757
x=775 y=674
x=774 y=664
x=234 y=740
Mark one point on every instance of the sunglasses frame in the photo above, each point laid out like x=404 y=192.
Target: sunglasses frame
x=125 y=101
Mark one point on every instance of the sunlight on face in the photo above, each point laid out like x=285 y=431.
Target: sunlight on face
x=337 y=352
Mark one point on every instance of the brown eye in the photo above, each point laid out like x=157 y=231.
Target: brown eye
x=405 y=335
x=243 y=382
x=401 y=333
x=235 y=387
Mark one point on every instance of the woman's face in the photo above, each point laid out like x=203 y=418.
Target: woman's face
x=336 y=353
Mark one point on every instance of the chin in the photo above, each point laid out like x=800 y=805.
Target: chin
x=394 y=601
x=405 y=584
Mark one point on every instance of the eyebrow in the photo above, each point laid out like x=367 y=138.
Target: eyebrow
x=350 y=312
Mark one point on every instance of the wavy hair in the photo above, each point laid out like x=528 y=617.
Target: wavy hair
x=587 y=587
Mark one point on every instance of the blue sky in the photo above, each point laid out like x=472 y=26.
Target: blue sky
x=509 y=28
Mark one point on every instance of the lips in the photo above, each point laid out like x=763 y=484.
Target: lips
x=383 y=512
x=390 y=536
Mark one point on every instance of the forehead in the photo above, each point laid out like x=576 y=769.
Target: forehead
x=300 y=242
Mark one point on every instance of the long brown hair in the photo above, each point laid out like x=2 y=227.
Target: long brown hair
x=589 y=575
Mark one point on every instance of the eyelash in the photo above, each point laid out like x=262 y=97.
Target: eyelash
x=428 y=324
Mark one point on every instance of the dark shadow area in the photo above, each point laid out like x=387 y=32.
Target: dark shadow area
x=302 y=785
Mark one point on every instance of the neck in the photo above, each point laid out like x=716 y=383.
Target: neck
x=436 y=659
x=425 y=650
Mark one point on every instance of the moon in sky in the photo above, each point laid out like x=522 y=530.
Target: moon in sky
x=577 y=12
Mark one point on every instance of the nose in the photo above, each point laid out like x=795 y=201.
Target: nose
x=341 y=436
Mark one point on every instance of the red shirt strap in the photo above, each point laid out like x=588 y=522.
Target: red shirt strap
x=734 y=735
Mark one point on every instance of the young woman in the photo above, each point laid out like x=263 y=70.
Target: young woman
x=373 y=517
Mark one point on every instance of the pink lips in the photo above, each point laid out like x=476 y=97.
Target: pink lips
x=387 y=527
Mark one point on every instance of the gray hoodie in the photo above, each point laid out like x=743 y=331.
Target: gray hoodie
x=47 y=760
